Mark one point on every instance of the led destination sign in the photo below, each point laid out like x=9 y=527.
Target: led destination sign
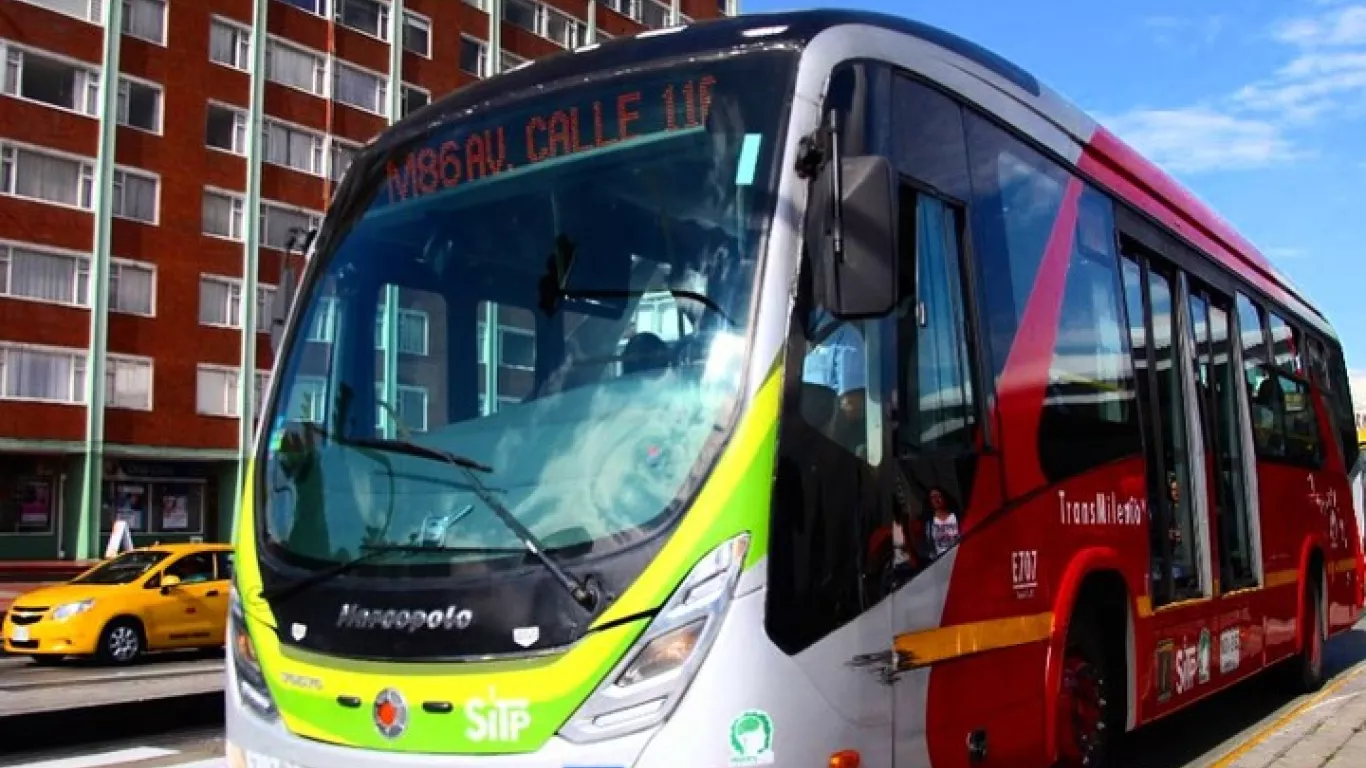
x=558 y=130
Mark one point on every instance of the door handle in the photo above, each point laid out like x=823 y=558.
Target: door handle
x=212 y=593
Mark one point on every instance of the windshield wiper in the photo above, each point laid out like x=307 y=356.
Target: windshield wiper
x=370 y=552
x=583 y=594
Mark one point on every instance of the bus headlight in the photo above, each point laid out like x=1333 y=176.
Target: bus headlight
x=251 y=679
x=643 y=690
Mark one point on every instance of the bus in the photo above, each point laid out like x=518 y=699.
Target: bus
x=814 y=386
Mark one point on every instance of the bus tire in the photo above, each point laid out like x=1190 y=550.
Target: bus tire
x=1305 y=670
x=1085 y=701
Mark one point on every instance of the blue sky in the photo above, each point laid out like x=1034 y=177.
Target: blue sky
x=1259 y=106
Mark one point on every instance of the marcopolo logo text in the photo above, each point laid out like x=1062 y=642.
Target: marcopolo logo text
x=354 y=616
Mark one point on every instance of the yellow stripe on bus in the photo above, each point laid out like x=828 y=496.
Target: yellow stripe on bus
x=931 y=646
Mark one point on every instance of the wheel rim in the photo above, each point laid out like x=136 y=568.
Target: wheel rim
x=123 y=643
x=1081 y=711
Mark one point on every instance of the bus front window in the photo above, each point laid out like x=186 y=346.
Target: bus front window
x=558 y=291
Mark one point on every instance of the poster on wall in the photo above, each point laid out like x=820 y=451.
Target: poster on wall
x=130 y=504
x=27 y=505
x=126 y=502
x=179 y=507
x=35 y=505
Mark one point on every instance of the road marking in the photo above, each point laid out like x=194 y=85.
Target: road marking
x=104 y=758
x=1313 y=701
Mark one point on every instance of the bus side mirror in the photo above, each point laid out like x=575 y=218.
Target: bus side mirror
x=854 y=244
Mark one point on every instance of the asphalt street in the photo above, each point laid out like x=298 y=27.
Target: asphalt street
x=188 y=731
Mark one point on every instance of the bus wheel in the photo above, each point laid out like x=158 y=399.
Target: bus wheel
x=1307 y=668
x=1083 y=703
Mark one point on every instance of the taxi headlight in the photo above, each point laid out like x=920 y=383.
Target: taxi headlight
x=644 y=689
x=67 y=610
x=251 y=679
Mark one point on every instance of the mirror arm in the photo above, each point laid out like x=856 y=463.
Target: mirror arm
x=837 y=182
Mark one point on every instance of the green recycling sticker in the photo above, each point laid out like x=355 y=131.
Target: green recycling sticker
x=751 y=738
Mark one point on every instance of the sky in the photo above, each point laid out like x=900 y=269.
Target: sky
x=1257 y=106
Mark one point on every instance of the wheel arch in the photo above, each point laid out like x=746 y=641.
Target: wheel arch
x=1093 y=578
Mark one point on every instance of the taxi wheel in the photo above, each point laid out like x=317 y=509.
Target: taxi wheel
x=121 y=641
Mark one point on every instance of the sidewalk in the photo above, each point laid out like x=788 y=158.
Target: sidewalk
x=1330 y=732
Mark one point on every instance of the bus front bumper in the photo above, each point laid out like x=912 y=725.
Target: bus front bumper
x=255 y=743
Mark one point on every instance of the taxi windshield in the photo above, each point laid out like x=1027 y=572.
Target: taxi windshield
x=124 y=569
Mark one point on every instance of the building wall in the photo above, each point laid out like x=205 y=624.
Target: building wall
x=171 y=335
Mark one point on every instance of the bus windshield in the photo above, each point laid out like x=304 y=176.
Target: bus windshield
x=557 y=291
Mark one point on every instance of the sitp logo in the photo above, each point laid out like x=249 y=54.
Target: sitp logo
x=494 y=719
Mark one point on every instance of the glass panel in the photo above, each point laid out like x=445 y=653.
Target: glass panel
x=433 y=233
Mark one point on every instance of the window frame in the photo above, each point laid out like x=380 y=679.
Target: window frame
x=129 y=81
x=79 y=360
x=165 y=23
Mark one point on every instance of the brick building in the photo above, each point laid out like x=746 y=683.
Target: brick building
x=174 y=364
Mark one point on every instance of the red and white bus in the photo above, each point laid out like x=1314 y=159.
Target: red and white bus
x=789 y=388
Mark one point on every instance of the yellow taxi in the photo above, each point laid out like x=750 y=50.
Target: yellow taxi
x=147 y=599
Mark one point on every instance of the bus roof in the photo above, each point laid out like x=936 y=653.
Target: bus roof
x=1168 y=200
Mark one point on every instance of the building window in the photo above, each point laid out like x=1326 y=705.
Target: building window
x=415 y=98
x=411 y=407
x=279 y=224
x=412 y=331
x=362 y=89
x=230 y=45
x=563 y=29
x=417 y=35
x=510 y=61
x=135 y=196
x=293 y=147
x=318 y=7
x=51 y=80
x=653 y=15
x=46 y=176
x=226 y=129
x=296 y=68
x=342 y=155
x=218 y=388
x=39 y=274
x=55 y=278
x=523 y=13
x=220 y=303
x=368 y=16
x=309 y=400
x=145 y=19
x=132 y=288
x=474 y=56
x=49 y=374
x=128 y=382
x=139 y=105
x=87 y=10
x=222 y=215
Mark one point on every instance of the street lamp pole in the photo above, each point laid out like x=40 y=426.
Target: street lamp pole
x=251 y=252
x=88 y=528
x=389 y=381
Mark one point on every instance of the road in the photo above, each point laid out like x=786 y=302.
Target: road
x=188 y=732
x=27 y=688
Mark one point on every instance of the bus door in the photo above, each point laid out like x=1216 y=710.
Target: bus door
x=1179 y=551
x=1227 y=441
